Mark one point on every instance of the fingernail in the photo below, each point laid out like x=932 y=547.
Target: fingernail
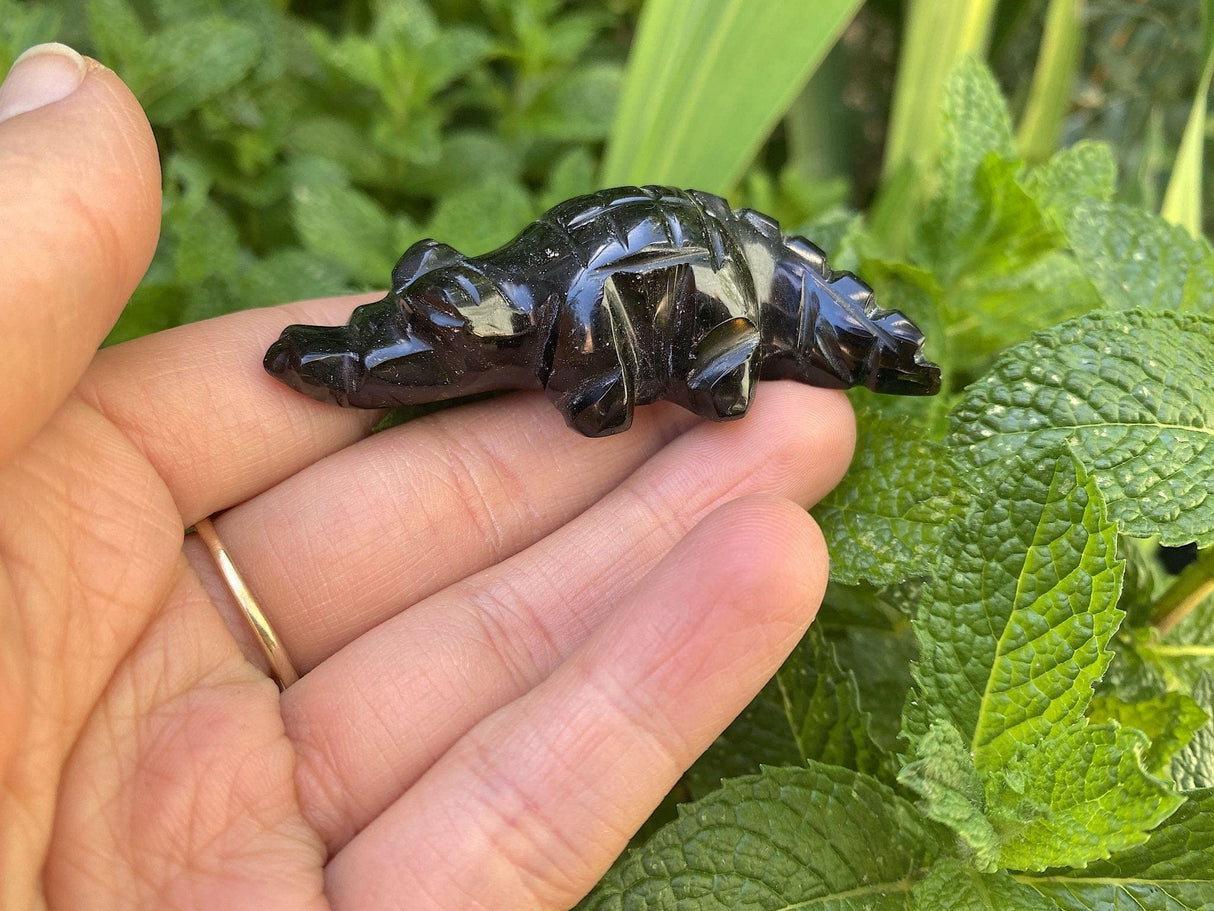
x=43 y=74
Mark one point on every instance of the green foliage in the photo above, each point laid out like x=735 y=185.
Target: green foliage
x=684 y=84
x=886 y=519
x=788 y=837
x=1129 y=393
x=1172 y=871
x=810 y=711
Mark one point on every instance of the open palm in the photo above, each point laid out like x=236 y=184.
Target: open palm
x=513 y=639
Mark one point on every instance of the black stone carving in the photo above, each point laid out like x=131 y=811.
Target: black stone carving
x=608 y=301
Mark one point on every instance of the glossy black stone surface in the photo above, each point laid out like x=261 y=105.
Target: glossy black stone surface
x=609 y=301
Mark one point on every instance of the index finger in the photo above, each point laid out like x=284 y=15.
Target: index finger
x=197 y=402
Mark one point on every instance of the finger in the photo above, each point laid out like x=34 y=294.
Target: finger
x=257 y=431
x=444 y=664
x=530 y=808
x=79 y=216
x=383 y=524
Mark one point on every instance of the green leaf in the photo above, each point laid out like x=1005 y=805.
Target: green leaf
x=340 y=224
x=1168 y=721
x=577 y=108
x=184 y=65
x=1015 y=621
x=572 y=175
x=1079 y=173
x=117 y=32
x=204 y=243
x=696 y=67
x=976 y=126
x=287 y=274
x=884 y=522
x=1130 y=393
x=483 y=216
x=940 y=40
x=1014 y=629
x=468 y=157
x=1136 y=259
x=1172 y=871
x=871 y=635
x=952 y=792
x=809 y=711
x=1182 y=200
x=1049 y=98
x=1076 y=796
x=152 y=307
x=1193 y=767
x=819 y=836
x=950 y=886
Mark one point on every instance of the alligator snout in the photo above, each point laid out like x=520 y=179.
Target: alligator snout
x=319 y=361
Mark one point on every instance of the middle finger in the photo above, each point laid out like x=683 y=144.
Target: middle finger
x=358 y=536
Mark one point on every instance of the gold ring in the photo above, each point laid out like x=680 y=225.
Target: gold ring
x=282 y=671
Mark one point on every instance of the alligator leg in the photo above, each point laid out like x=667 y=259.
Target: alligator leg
x=724 y=370
x=586 y=375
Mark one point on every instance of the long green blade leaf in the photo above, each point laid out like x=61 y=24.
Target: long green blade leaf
x=706 y=82
x=937 y=36
x=1182 y=201
x=1050 y=93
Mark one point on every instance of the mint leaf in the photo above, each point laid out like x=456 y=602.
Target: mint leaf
x=184 y=65
x=482 y=216
x=1076 y=174
x=1130 y=393
x=818 y=836
x=1015 y=621
x=341 y=224
x=1168 y=721
x=976 y=124
x=949 y=886
x=1014 y=628
x=577 y=108
x=884 y=521
x=952 y=792
x=1076 y=796
x=871 y=635
x=287 y=274
x=1172 y=871
x=809 y=711
x=1193 y=767
x=1136 y=259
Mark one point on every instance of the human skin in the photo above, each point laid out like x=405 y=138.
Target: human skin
x=513 y=640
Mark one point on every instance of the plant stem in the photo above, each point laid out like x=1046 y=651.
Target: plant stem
x=1050 y=93
x=1192 y=586
x=937 y=36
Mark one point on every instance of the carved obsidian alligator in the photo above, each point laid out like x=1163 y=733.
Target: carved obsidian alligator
x=612 y=300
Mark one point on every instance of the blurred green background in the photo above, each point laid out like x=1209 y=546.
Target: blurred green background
x=306 y=144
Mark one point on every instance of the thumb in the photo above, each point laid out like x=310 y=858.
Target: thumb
x=79 y=217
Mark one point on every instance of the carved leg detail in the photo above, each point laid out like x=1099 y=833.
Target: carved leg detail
x=587 y=381
x=599 y=407
x=723 y=374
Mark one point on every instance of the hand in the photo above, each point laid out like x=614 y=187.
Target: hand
x=514 y=639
